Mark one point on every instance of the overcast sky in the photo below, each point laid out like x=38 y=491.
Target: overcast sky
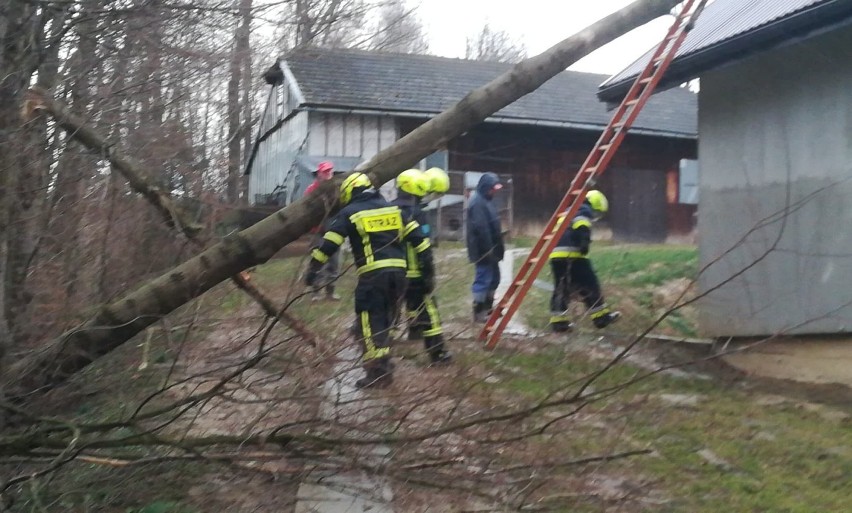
x=538 y=24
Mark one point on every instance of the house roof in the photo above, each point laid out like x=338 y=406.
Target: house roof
x=422 y=86
x=730 y=30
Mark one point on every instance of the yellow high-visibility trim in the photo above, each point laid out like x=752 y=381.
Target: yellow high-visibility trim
x=599 y=313
x=371 y=352
x=559 y=318
x=413 y=266
x=581 y=221
x=375 y=212
x=382 y=264
x=423 y=246
x=319 y=256
x=567 y=254
x=367 y=333
x=410 y=227
x=365 y=238
x=434 y=318
x=382 y=222
x=334 y=237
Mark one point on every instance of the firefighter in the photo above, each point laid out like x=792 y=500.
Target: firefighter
x=328 y=273
x=376 y=231
x=484 y=245
x=423 y=318
x=572 y=269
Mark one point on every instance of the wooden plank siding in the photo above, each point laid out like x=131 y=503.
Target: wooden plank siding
x=542 y=162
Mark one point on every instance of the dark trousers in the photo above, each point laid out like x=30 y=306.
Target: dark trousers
x=422 y=309
x=485 y=280
x=327 y=275
x=574 y=276
x=377 y=299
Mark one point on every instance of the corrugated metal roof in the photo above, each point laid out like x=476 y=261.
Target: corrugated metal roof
x=728 y=22
x=420 y=84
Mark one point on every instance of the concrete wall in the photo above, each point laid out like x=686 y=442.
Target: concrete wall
x=775 y=216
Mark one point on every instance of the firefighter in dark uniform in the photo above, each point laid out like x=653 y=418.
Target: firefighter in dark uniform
x=572 y=269
x=376 y=231
x=424 y=321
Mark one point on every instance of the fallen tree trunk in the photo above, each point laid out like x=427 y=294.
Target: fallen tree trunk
x=117 y=322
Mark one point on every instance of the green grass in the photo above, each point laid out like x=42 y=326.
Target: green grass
x=632 y=278
x=642 y=266
x=779 y=457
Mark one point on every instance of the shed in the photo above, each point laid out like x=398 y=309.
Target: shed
x=775 y=125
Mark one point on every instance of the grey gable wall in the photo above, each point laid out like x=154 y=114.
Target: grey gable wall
x=776 y=134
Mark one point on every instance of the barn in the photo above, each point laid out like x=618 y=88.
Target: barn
x=346 y=105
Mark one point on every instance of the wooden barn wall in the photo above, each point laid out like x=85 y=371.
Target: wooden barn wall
x=543 y=161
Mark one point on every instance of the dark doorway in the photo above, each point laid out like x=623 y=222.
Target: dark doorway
x=637 y=205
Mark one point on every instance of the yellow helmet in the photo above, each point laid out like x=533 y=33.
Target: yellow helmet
x=439 y=180
x=597 y=201
x=352 y=182
x=414 y=182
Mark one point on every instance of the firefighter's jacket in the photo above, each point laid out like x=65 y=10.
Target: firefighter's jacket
x=577 y=238
x=377 y=232
x=411 y=207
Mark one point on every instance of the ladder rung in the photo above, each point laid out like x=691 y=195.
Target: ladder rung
x=646 y=80
x=604 y=147
x=575 y=192
x=632 y=102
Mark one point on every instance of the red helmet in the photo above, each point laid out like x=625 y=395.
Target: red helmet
x=325 y=170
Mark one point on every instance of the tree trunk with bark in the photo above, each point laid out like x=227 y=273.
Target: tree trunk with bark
x=117 y=322
x=20 y=41
x=239 y=54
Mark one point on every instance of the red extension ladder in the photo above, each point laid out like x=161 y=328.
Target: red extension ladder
x=595 y=164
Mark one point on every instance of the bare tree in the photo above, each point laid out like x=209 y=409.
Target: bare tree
x=237 y=81
x=22 y=29
x=399 y=30
x=494 y=45
x=330 y=23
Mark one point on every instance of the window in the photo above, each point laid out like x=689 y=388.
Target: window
x=688 y=182
x=438 y=159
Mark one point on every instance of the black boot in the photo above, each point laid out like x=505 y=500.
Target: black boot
x=480 y=313
x=438 y=355
x=561 y=326
x=489 y=302
x=605 y=320
x=378 y=375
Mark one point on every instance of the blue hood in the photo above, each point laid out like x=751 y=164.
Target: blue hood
x=486 y=183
